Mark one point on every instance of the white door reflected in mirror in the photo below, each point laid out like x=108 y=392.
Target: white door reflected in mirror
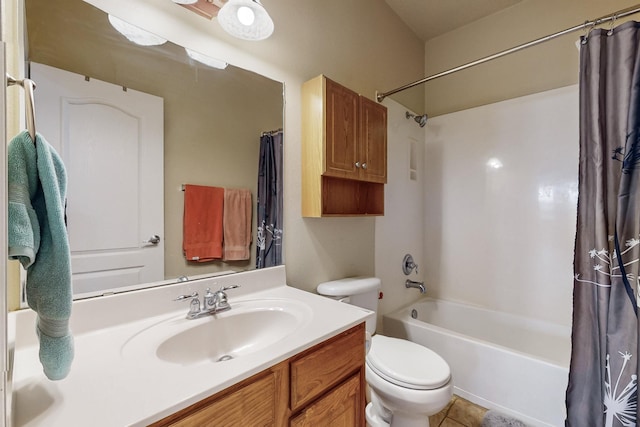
x=111 y=142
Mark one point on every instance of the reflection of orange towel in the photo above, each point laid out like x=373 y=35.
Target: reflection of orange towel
x=237 y=224
x=202 y=231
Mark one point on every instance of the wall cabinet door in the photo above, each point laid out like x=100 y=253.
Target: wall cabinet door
x=373 y=141
x=342 y=131
x=356 y=135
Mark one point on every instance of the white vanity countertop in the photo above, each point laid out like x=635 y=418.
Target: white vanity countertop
x=109 y=388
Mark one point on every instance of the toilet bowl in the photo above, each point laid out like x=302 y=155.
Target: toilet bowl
x=407 y=382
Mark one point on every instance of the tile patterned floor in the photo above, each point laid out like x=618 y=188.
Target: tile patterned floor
x=459 y=413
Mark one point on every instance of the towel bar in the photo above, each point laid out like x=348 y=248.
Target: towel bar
x=30 y=109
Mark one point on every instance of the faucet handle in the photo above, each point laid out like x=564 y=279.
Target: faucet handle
x=408 y=265
x=184 y=297
x=194 y=306
x=221 y=296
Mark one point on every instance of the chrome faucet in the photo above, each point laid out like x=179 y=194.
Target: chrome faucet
x=219 y=299
x=212 y=302
x=417 y=285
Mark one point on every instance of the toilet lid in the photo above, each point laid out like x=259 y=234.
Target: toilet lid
x=407 y=364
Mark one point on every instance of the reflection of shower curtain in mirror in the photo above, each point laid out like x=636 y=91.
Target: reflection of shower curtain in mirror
x=270 y=192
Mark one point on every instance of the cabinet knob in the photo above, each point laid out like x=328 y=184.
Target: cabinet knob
x=357 y=165
x=364 y=166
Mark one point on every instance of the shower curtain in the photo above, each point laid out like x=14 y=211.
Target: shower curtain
x=270 y=193
x=602 y=387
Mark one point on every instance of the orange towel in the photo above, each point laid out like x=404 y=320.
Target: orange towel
x=202 y=223
x=237 y=224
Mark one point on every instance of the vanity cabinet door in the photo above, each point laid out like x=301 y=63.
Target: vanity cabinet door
x=258 y=401
x=342 y=407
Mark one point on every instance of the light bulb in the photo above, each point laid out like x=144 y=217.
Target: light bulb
x=246 y=15
x=245 y=19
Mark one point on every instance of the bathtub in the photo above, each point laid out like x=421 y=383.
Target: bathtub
x=510 y=363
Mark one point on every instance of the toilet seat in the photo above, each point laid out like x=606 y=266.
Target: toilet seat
x=407 y=364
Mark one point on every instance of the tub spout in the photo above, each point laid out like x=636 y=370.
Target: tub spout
x=417 y=285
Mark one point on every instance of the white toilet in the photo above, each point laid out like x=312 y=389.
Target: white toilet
x=408 y=382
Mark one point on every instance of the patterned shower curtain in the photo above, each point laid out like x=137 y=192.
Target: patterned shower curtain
x=603 y=385
x=269 y=212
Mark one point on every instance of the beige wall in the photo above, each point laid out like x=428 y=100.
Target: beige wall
x=550 y=65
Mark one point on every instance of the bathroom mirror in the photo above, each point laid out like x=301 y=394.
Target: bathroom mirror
x=213 y=118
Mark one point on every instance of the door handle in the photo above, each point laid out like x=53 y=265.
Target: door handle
x=153 y=240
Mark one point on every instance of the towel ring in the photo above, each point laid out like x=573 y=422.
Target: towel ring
x=30 y=108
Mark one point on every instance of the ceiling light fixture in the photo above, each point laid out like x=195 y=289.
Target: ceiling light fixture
x=135 y=34
x=205 y=59
x=245 y=19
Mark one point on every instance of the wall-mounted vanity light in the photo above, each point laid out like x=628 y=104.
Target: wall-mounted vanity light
x=245 y=19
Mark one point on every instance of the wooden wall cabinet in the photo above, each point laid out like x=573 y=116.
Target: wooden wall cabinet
x=344 y=151
x=323 y=386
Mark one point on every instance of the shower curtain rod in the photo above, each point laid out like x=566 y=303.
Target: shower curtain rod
x=588 y=24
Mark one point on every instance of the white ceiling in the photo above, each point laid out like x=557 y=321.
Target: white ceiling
x=430 y=18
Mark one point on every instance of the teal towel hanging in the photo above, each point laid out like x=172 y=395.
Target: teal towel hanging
x=38 y=238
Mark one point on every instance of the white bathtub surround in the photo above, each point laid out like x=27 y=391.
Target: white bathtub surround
x=513 y=364
x=500 y=205
x=401 y=230
x=114 y=383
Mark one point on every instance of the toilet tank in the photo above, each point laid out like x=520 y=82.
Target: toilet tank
x=361 y=291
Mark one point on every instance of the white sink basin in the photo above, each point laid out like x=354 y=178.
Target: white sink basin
x=248 y=327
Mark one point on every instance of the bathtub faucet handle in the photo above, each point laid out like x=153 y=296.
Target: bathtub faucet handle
x=418 y=285
x=408 y=265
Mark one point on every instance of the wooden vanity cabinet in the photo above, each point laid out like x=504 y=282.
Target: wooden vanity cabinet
x=328 y=384
x=344 y=151
x=320 y=387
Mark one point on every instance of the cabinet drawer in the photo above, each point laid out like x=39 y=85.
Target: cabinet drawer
x=322 y=367
x=342 y=407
